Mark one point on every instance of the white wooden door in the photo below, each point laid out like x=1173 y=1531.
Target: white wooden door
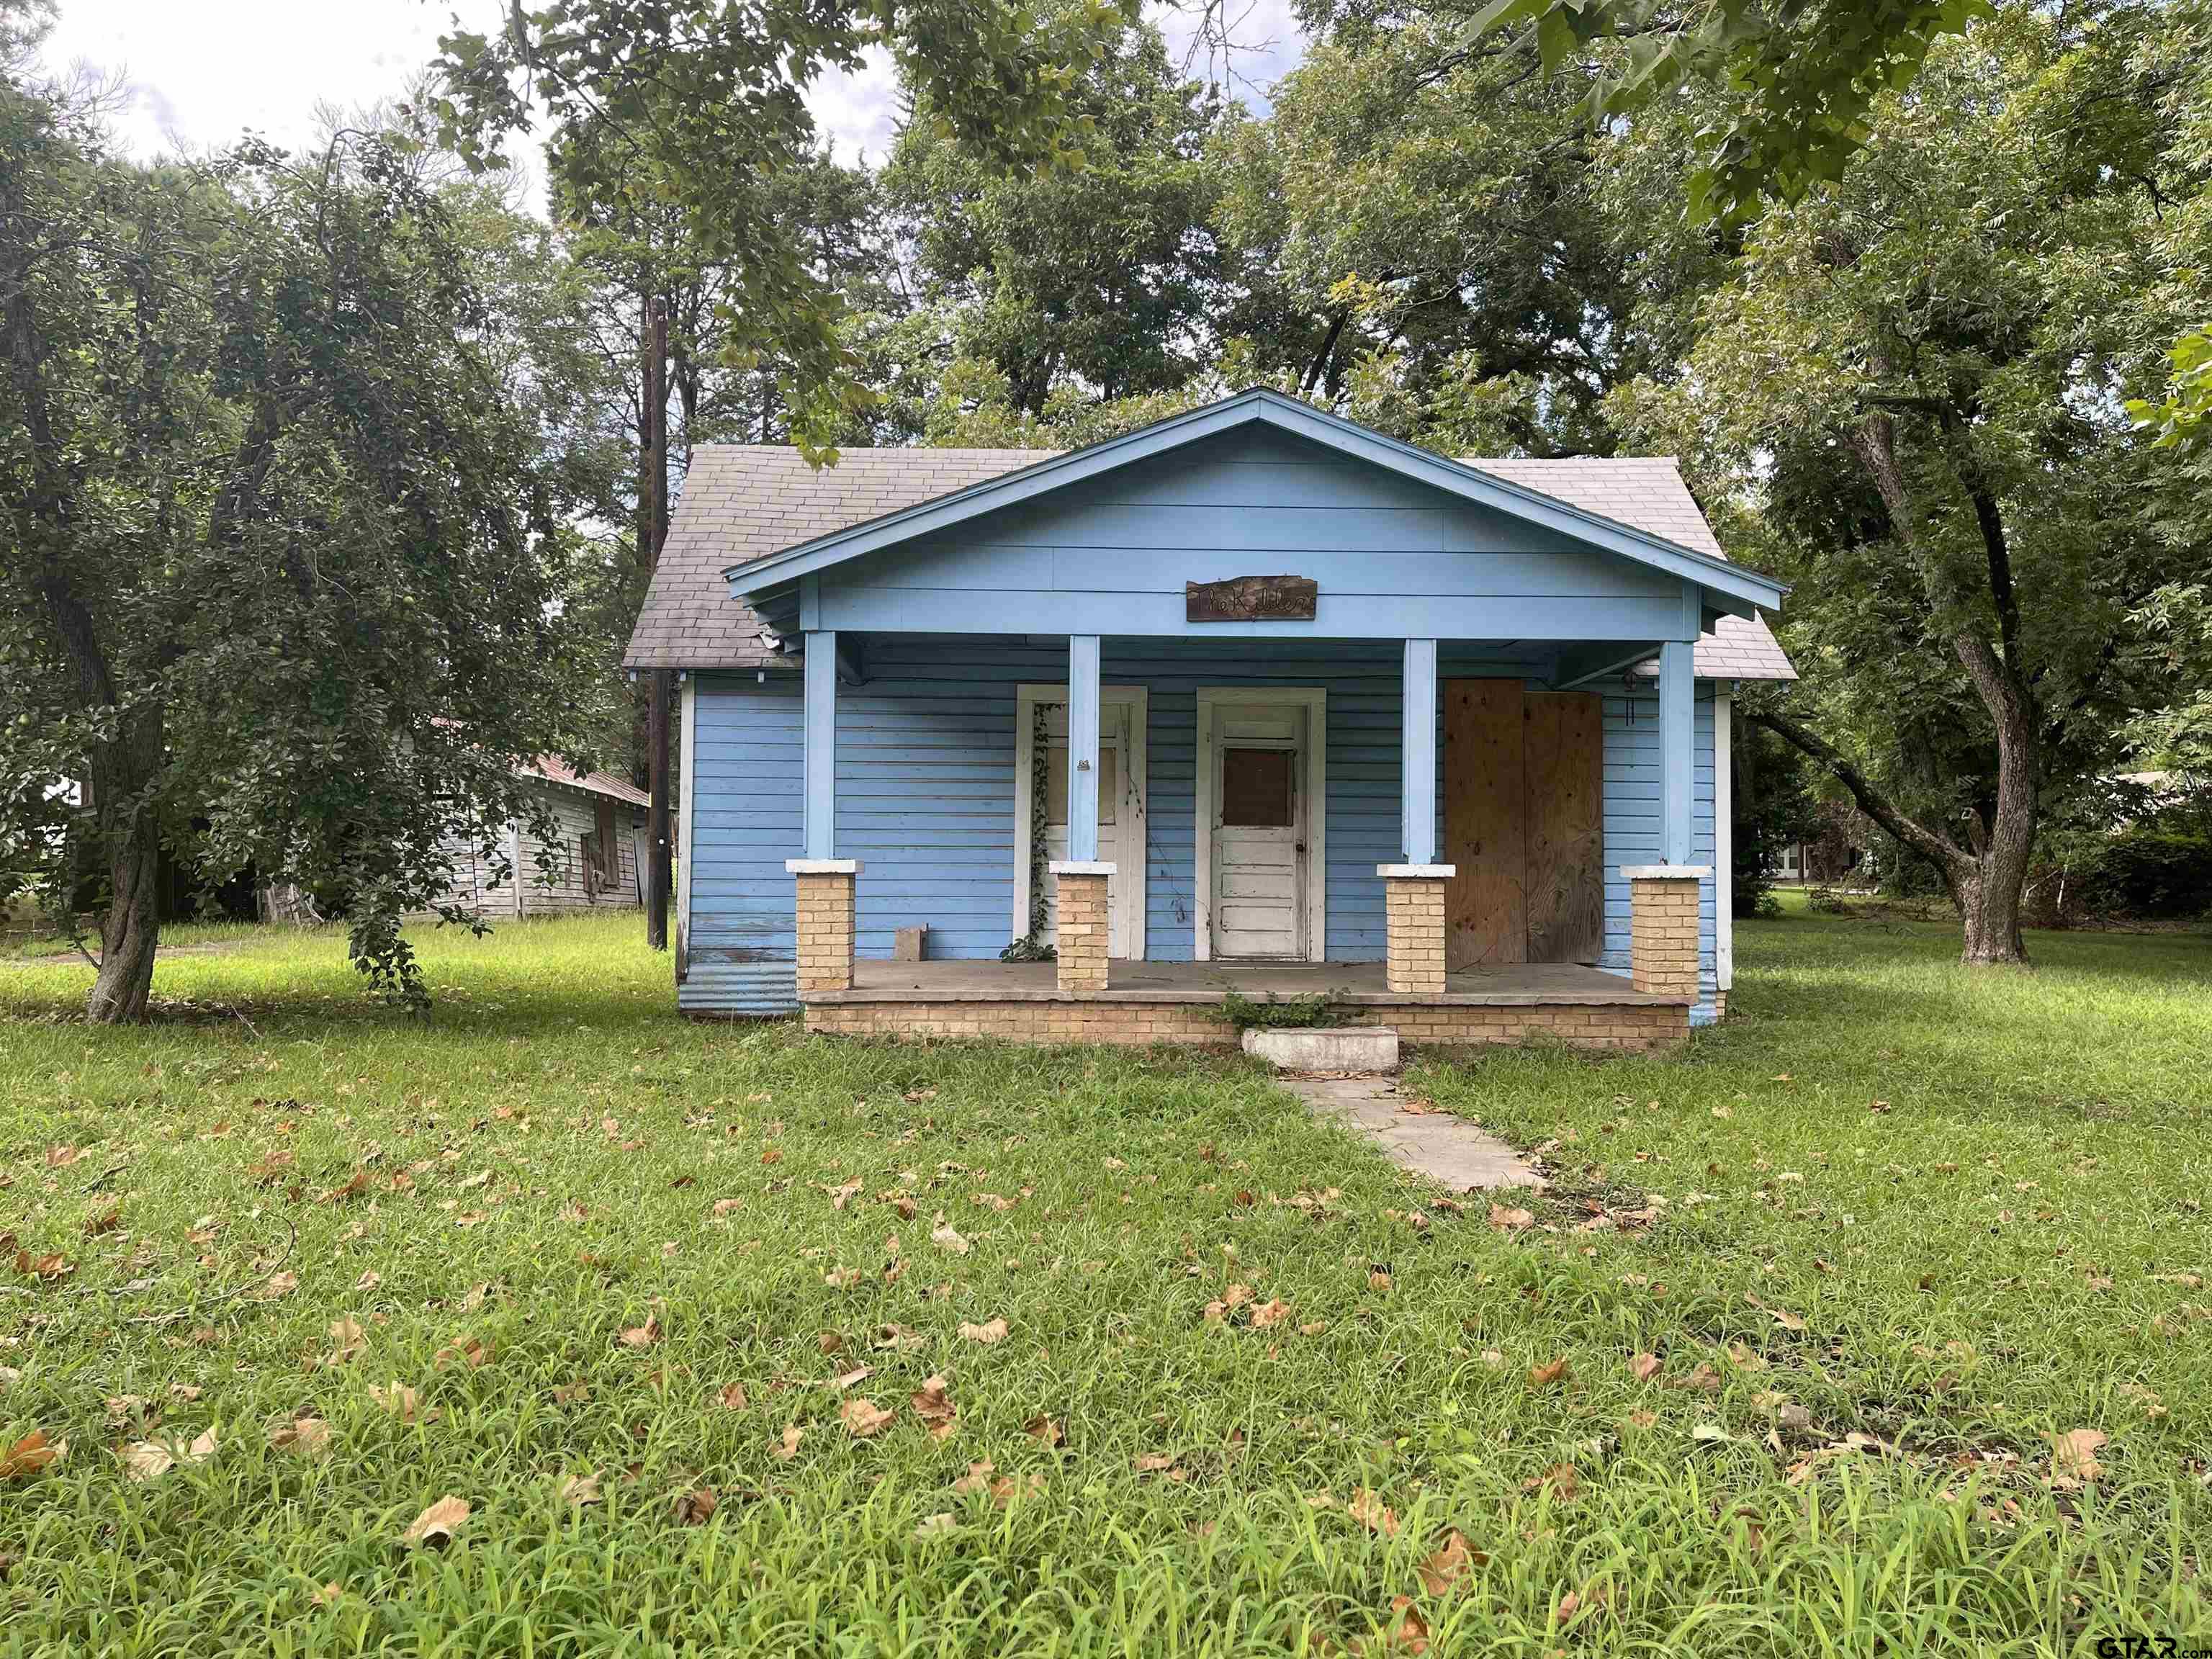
x=1120 y=823
x=1260 y=866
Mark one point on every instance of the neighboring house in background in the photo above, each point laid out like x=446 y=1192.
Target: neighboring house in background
x=595 y=857
x=1252 y=698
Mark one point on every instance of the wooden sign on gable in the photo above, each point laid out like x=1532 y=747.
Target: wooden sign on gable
x=1252 y=598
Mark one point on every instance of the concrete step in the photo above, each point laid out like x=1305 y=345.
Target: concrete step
x=1356 y=1050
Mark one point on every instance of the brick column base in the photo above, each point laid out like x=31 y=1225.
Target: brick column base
x=825 y=923
x=1662 y=928
x=1084 y=934
x=1413 y=917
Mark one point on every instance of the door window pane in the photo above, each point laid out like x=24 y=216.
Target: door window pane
x=1255 y=787
x=1055 y=783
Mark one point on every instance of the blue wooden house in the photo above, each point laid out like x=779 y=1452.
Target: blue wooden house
x=1067 y=745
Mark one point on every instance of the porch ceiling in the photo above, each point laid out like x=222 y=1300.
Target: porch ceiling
x=1524 y=986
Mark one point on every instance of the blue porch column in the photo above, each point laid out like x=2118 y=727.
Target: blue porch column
x=1663 y=948
x=1677 y=748
x=1417 y=742
x=1413 y=892
x=821 y=765
x=1083 y=924
x=1082 y=748
x=822 y=935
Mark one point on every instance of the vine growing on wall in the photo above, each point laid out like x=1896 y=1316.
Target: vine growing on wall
x=1031 y=947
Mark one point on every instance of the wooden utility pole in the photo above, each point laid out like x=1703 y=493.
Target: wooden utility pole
x=653 y=528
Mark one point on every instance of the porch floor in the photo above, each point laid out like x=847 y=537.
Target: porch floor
x=1528 y=985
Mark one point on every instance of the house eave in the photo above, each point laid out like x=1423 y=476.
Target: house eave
x=1733 y=586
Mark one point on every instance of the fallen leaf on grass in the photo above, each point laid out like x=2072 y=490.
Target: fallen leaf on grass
x=857 y=1375
x=1511 y=1221
x=863 y=1418
x=1046 y=1429
x=1443 y=1570
x=1542 y=1376
x=1407 y=1632
x=146 y=1460
x=400 y=1401
x=1562 y=1479
x=1272 y=1311
x=1371 y=1512
x=330 y=1593
x=1162 y=1463
x=936 y=1526
x=51 y=1266
x=31 y=1454
x=731 y=1397
x=787 y=1443
x=932 y=1404
x=2074 y=1458
x=439 y=1523
x=993 y=1331
x=103 y=1221
x=643 y=1336
x=571 y=1393
x=696 y=1507
x=470 y=1351
x=1643 y=1367
x=347 y=1339
x=310 y=1436
x=278 y=1284
x=946 y=1236
x=578 y=1490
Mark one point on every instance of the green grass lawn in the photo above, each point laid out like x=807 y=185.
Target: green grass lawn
x=1806 y=1352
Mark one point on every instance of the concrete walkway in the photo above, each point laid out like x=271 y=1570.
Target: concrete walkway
x=1448 y=1149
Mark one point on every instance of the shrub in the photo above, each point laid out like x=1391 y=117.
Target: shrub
x=2149 y=871
x=1244 y=1013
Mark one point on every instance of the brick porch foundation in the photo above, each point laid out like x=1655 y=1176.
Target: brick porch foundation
x=1662 y=928
x=1612 y=1026
x=825 y=923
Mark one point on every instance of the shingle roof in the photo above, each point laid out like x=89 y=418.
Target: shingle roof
x=744 y=502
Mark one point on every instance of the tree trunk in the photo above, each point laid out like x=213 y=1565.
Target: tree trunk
x=123 y=772
x=1989 y=907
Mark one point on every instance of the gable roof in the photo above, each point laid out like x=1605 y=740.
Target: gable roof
x=554 y=769
x=747 y=506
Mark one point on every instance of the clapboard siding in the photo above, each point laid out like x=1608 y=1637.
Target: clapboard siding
x=926 y=797
x=746 y=818
x=1391 y=556
x=1632 y=824
x=564 y=889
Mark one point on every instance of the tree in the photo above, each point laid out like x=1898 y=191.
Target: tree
x=281 y=583
x=1805 y=73
x=698 y=111
x=1921 y=374
x=1467 y=260
x=1105 y=280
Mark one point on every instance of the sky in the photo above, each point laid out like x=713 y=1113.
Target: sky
x=201 y=72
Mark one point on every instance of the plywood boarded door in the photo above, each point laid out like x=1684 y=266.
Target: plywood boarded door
x=1564 y=766
x=1486 y=909
x=1524 y=822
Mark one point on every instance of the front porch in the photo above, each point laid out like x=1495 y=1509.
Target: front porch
x=1180 y=1002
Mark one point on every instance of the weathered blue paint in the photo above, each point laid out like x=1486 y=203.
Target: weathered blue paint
x=821 y=743
x=1416 y=741
x=1083 y=747
x=747 y=818
x=1280 y=418
x=925 y=796
x=1677 y=691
